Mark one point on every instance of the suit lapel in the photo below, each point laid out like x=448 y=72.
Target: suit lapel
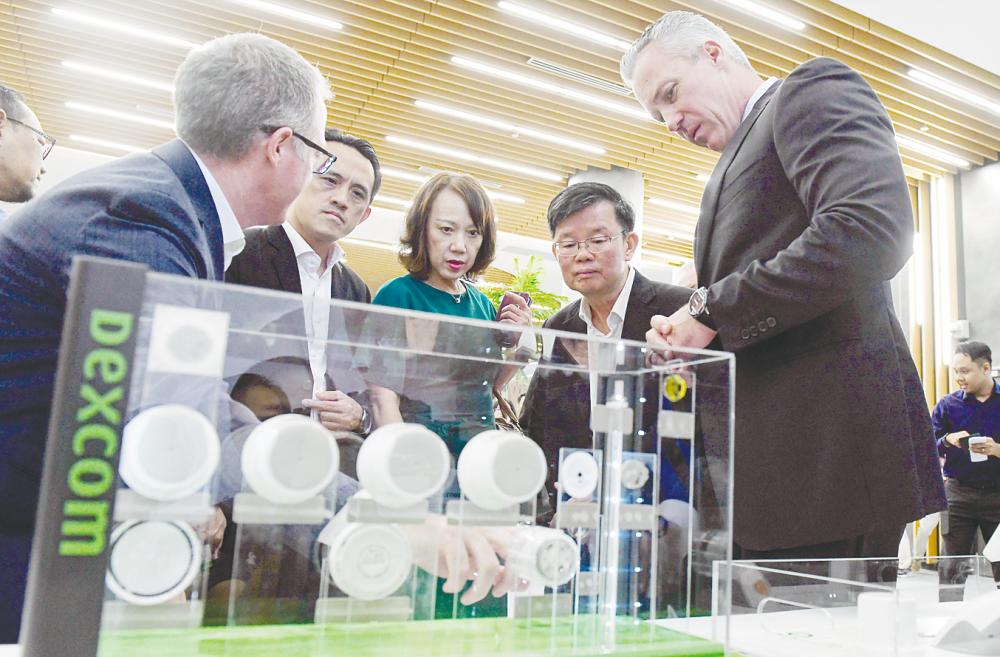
x=637 y=311
x=710 y=199
x=178 y=157
x=282 y=256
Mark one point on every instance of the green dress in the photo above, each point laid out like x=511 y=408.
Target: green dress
x=450 y=389
x=448 y=386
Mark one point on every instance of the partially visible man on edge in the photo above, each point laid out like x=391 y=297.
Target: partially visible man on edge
x=23 y=146
x=250 y=112
x=805 y=219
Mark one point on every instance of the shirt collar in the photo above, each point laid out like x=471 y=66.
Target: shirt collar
x=968 y=398
x=301 y=248
x=233 y=240
x=617 y=310
x=761 y=90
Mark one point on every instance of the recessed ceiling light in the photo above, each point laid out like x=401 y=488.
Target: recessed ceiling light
x=514 y=130
x=504 y=197
x=562 y=25
x=932 y=151
x=392 y=172
x=131 y=30
x=669 y=233
x=952 y=89
x=784 y=20
x=674 y=205
x=279 y=10
x=578 y=76
x=115 y=114
x=548 y=87
x=467 y=156
x=702 y=177
x=104 y=143
x=127 y=78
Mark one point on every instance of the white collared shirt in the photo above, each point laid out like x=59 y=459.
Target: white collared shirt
x=317 y=287
x=232 y=234
x=600 y=356
x=761 y=90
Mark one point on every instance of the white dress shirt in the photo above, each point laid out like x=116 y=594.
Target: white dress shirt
x=232 y=234
x=601 y=356
x=761 y=90
x=317 y=285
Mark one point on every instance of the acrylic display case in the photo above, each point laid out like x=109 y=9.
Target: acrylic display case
x=915 y=607
x=194 y=504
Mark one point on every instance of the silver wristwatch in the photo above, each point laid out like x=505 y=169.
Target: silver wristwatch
x=698 y=304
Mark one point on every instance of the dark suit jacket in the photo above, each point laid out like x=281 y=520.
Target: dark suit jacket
x=268 y=261
x=556 y=409
x=804 y=221
x=153 y=208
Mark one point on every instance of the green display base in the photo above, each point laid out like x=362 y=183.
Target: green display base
x=480 y=637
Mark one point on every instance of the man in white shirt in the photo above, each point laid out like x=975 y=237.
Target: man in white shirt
x=302 y=255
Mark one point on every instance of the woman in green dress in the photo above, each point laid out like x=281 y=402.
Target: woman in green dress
x=445 y=378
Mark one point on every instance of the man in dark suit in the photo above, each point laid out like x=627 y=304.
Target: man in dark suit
x=177 y=209
x=592 y=228
x=302 y=255
x=803 y=223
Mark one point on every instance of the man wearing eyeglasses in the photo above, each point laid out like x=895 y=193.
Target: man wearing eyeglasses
x=592 y=228
x=249 y=111
x=23 y=146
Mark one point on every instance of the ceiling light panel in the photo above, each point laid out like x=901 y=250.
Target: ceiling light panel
x=578 y=76
x=287 y=12
x=117 y=114
x=467 y=156
x=510 y=128
x=632 y=111
x=931 y=151
x=954 y=90
x=567 y=27
x=129 y=30
x=674 y=205
x=768 y=14
x=117 y=76
x=104 y=143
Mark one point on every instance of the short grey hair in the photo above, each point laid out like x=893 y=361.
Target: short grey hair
x=11 y=102
x=682 y=33
x=228 y=89
x=581 y=196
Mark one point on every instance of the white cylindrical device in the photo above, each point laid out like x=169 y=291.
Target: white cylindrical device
x=168 y=452
x=152 y=561
x=369 y=561
x=402 y=465
x=498 y=469
x=545 y=556
x=289 y=459
x=579 y=475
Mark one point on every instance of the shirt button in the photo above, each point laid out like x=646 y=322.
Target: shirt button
x=762 y=326
x=745 y=334
x=753 y=331
x=772 y=322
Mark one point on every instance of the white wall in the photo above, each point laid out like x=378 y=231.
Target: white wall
x=978 y=246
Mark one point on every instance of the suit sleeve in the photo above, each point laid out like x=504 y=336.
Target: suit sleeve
x=147 y=227
x=837 y=148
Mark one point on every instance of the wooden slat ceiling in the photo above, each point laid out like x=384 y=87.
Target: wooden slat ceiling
x=393 y=52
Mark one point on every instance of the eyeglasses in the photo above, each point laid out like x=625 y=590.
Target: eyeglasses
x=330 y=158
x=47 y=142
x=597 y=244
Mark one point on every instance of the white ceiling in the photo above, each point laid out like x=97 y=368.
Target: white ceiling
x=964 y=28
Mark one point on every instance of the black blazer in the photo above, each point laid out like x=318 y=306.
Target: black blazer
x=268 y=261
x=804 y=221
x=556 y=408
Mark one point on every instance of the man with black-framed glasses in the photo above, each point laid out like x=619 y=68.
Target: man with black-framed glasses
x=23 y=146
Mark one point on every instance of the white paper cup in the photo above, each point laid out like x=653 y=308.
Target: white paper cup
x=290 y=459
x=973 y=456
x=168 y=452
x=402 y=465
x=498 y=469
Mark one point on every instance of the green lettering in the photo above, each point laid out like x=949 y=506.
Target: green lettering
x=111 y=363
x=96 y=432
x=100 y=404
x=110 y=328
x=84 y=538
x=90 y=477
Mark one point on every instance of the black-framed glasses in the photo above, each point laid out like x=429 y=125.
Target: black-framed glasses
x=330 y=158
x=47 y=142
x=596 y=244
